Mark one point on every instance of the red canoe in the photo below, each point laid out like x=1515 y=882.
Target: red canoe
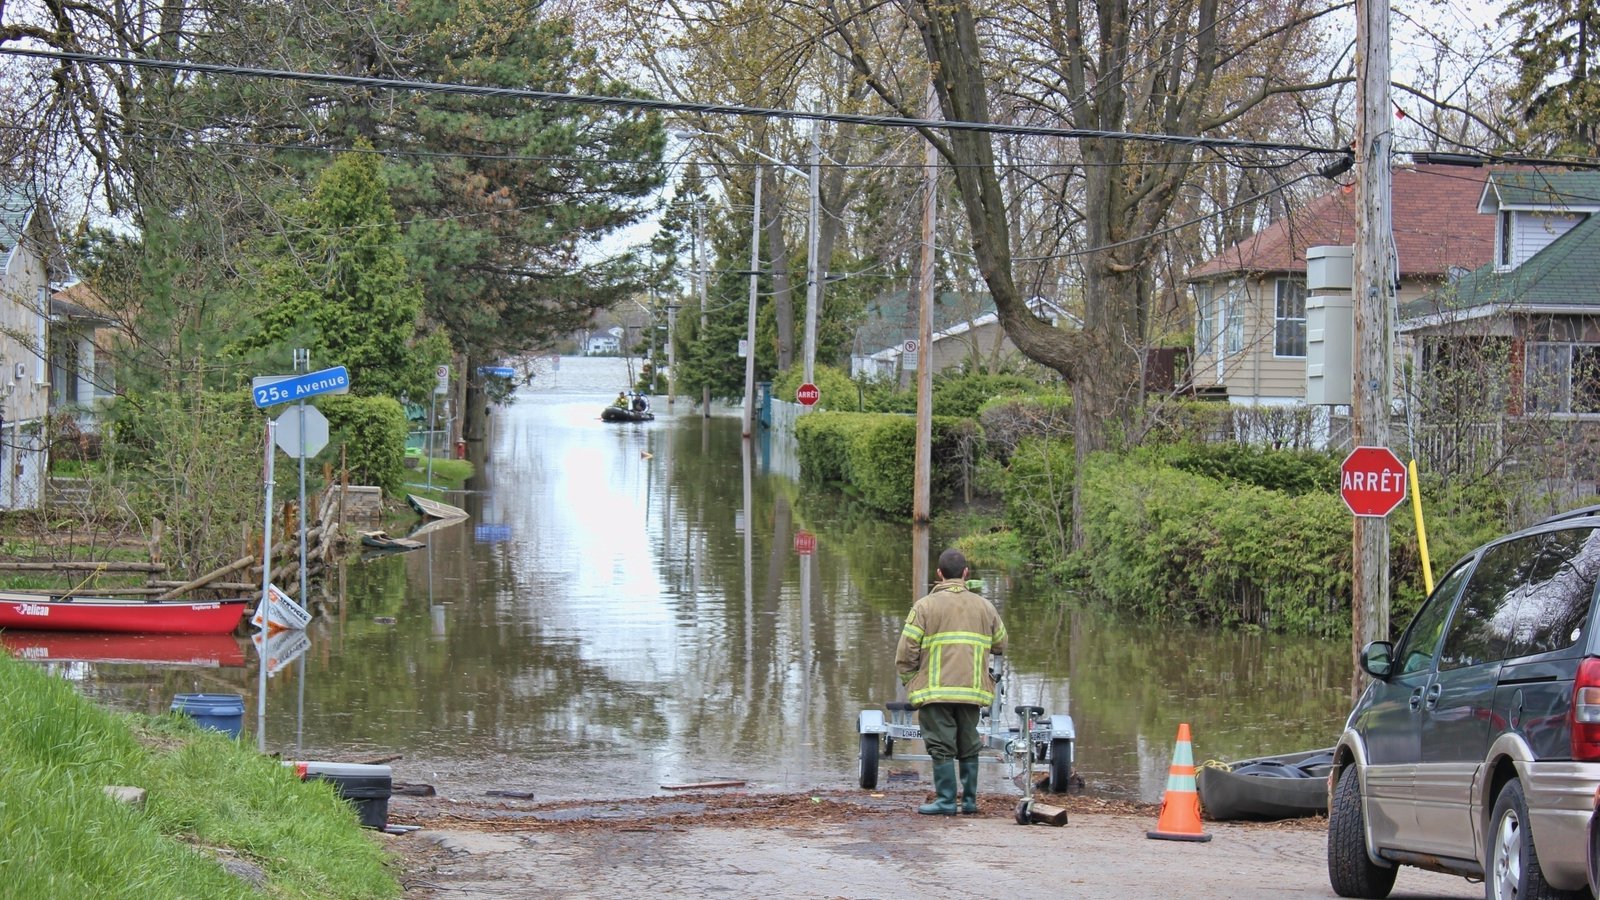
x=204 y=650
x=29 y=612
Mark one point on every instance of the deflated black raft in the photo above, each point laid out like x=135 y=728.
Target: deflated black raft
x=1267 y=788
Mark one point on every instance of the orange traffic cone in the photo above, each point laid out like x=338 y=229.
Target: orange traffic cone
x=1180 y=808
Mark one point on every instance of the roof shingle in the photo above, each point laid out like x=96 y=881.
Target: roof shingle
x=1436 y=226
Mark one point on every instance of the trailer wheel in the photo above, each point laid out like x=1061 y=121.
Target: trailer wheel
x=869 y=761
x=1024 y=812
x=1060 y=765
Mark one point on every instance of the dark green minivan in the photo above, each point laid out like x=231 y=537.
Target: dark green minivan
x=1476 y=748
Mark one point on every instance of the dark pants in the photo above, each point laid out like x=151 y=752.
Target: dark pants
x=950 y=730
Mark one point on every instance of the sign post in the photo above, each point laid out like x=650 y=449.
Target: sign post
x=807 y=395
x=1372 y=481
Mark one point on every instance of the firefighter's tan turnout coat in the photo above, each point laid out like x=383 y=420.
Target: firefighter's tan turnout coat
x=944 y=648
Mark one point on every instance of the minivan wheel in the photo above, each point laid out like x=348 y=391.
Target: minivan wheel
x=1513 y=872
x=1350 y=871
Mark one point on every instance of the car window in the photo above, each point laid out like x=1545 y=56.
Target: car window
x=1480 y=631
x=1561 y=584
x=1421 y=640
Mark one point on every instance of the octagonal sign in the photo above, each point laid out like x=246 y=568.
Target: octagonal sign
x=1372 y=481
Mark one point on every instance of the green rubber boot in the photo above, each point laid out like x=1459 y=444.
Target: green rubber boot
x=944 y=785
x=969 y=786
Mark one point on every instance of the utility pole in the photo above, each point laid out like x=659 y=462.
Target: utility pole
x=672 y=353
x=1373 y=300
x=750 y=316
x=921 y=500
x=701 y=252
x=813 y=265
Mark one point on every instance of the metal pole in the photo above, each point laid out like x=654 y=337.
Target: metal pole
x=750 y=315
x=433 y=423
x=263 y=605
x=302 y=363
x=1373 y=299
x=921 y=500
x=813 y=265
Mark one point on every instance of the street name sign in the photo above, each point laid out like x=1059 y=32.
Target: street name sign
x=1372 y=481
x=271 y=390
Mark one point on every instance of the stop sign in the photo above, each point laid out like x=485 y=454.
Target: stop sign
x=1372 y=481
x=805 y=543
x=807 y=394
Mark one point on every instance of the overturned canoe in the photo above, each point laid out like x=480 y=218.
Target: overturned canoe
x=1266 y=788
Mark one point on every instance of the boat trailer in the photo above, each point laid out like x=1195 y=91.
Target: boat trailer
x=1049 y=742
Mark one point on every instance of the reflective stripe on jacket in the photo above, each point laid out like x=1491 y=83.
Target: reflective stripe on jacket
x=945 y=645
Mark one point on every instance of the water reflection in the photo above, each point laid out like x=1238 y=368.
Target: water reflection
x=626 y=608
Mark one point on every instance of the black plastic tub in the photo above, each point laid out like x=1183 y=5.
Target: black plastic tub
x=366 y=787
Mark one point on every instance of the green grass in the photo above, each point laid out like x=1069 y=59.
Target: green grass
x=208 y=797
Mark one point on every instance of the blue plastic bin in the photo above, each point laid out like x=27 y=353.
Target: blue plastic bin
x=218 y=712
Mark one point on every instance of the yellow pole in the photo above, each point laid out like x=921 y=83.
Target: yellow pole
x=1422 y=531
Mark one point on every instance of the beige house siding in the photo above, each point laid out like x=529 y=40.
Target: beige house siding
x=1255 y=373
x=20 y=322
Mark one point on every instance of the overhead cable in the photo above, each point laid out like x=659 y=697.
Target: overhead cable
x=645 y=103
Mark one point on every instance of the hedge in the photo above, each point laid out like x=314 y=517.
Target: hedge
x=373 y=430
x=874 y=454
x=1167 y=543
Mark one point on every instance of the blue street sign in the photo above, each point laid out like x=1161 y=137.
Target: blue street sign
x=497 y=371
x=268 y=392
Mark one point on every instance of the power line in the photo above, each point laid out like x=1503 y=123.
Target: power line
x=644 y=103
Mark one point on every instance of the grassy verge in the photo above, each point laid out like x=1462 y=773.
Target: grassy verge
x=208 y=798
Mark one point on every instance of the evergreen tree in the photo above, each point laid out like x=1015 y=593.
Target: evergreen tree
x=338 y=284
x=1556 y=43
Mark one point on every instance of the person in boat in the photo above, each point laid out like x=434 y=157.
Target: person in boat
x=622 y=400
x=639 y=403
x=943 y=660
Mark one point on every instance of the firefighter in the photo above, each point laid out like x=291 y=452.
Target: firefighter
x=943 y=661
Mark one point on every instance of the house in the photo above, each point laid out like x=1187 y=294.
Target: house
x=1537 y=297
x=966 y=329
x=32 y=262
x=604 y=343
x=82 y=350
x=1250 y=299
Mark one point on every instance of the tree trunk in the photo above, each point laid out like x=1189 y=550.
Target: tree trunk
x=778 y=253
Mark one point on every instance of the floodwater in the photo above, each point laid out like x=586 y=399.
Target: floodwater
x=626 y=609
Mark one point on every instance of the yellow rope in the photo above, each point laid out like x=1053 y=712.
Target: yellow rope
x=99 y=567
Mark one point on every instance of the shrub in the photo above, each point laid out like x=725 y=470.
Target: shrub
x=962 y=394
x=1037 y=492
x=373 y=430
x=1009 y=420
x=838 y=391
x=874 y=454
x=1292 y=471
x=1165 y=543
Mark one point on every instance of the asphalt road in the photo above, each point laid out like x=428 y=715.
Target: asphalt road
x=874 y=854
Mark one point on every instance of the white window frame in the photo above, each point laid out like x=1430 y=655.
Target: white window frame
x=1547 y=369
x=1205 y=320
x=1233 y=310
x=1280 y=321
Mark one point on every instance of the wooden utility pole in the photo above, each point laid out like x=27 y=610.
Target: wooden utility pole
x=750 y=314
x=701 y=254
x=921 y=500
x=1373 y=299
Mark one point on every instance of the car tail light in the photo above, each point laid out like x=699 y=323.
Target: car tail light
x=1586 y=711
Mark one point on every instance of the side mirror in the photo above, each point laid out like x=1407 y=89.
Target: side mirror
x=1377 y=659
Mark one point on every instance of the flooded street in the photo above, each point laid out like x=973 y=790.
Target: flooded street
x=626 y=609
